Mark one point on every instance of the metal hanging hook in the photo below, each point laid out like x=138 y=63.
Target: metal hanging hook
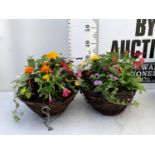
x=46 y=110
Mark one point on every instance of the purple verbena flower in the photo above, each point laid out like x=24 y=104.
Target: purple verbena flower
x=98 y=82
x=105 y=68
x=111 y=75
x=97 y=75
x=116 y=78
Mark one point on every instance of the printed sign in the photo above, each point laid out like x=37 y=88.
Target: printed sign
x=132 y=35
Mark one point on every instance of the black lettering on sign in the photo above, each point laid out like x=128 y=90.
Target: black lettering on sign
x=87 y=28
x=147 y=72
x=133 y=46
x=114 y=46
x=122 y=46
x=144 y=27
x=87 y=43
x=127 y=45
x=140 y=27
x=145 y=47
x=151 y=26
x=152 y=49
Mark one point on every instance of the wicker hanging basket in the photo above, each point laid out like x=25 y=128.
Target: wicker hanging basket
x=100 y=103
x=46 y=109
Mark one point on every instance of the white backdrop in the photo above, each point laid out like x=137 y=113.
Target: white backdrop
x=22 y=38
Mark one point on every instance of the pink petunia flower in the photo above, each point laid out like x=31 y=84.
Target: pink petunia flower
x=66 y=92
x=138 y=53
x=65 y=66
x=118 y=69
x=79 y=74
x=141 y=60
x=138 y=64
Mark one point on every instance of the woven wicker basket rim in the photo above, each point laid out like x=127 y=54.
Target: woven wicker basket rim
x=56 y=103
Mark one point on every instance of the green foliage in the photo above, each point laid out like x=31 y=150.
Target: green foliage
x=135 y=103
x=115 y=71
x=25 y=92
x=15 y=113
x=31 y=62
x=45 y=77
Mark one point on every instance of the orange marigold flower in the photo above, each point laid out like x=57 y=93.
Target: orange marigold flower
x=45 y=68
x=52 y=55
x=29 y=70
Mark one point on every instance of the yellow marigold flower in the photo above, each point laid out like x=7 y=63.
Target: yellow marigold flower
x=29 y=70
x=52 y=55
x=76 y=83
x=45 y=68
x=46 y=77
x=94 y=58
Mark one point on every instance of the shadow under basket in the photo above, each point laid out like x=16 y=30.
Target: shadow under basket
x=44 y=109
x=98 y=102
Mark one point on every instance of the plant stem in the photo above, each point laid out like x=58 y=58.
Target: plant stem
x=50 y=98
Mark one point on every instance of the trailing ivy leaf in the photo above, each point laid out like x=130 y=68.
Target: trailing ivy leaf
x=135 y=103
x=15 y=113
x=17 y=105
x=22 y=91
x=15 y=116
